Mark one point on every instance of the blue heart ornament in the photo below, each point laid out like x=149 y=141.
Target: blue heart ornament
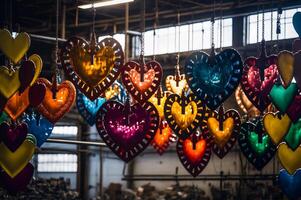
x=290 y=184
x=297 y=23
x=87 y=108
x=214 y=78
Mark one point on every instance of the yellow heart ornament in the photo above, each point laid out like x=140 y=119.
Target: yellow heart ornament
x=37 y=60
x=173 y=86
x=184 y=119
x=289 y=159
x=14 y=48
x=9 y=81
x=276 y=126
x=221 y=137
x=285 y=65
x=159 y=103
x=14 y=162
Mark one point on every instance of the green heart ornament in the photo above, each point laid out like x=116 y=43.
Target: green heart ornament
x=293 y=137
x=282 y=97
x=3 y=117
x=258 y=146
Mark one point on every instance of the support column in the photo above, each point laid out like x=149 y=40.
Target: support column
x=239 y=34
x=126 y=49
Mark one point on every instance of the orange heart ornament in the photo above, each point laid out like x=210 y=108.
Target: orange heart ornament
x=54 y=109
x=289 y=159
x=163 y=137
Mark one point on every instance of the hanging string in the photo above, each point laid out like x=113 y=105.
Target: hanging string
x=221 y=25
x=272 y=20
x=278 y=28
x=155 y=27
x=263 y=23
x=93 y=17
x=54 y=78
x=177 y=72
x=203 y=35
x=212 y=26
x=142 y=29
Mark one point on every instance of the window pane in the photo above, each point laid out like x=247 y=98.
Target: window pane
x=65 y=130
x=57 y=163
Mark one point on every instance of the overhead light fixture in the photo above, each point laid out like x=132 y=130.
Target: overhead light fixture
x=104 y=3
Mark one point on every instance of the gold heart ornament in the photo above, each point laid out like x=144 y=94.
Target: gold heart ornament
x=276 y=126
x=285 y=65
x=159 y=102
x=37 y=60
x=14 y=48
x=9 y=81
x=289 y=159
x=221 y=136
x=13 y=162
x=173 y=86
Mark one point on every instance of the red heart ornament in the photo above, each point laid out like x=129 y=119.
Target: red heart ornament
x=194 y=153
x=26 y=74
x=142 y=84
x=127 y=130
x=92 y=67
x=54 y=109
x=36 y=94
x=294 y=109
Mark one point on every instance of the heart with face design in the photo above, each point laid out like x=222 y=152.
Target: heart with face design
x=92 y=67
x=127 y=130
x=184 y=114
x=213 y=78
x=224 y=128
x=176 y=86
x=194 y=152
x=255 y=144
x=142 y=81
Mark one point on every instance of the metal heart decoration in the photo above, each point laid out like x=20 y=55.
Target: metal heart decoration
x=13 y=135
x=40 y=127
x=159 y=102
x=289 y=159
x=27 y=72
x=19 y=182
x=116 y=92
x=127 y=130
x=257 y=81
x=164 y=136
x=285 y=65
x=297 y=22
x=14 y=48
x=255 y=144
x=290 y=184
x=293 y=137
x=9 y=82
x=184 y=114
x=176 y=87
x=92 y=68
x=14 y=162
x=36 y=94
x=54 y=109
x=37 y=60
x=3 y=117
x=283 y=97
x=142 y=81
x=213 y=79
x=294 y=110
x=277 y=126
x=224 y=128
x=297 y=70
x=87 y=108
x=194 y=153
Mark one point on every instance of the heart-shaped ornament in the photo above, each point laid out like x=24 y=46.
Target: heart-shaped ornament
x=141 y=81
x=37 y=60
x=13 y=135
x=40 y=127
x=285 y=63
x=289 y=159
x=293 y=137
x=223 y=128
x=93 y=67
x=184 y=114
x=283 y=97
x=158 y=100
x=87 y=108
x=14 y=162
x=116 y=92
x=296 y=45
x=194 y=152
x=164 y=136
x=277 y=126
x=290 y=184
x=14 y=48
x=9 y=82
x=297 y=23
x=255 y=144
x=54 y=109
x=297 y=66
x=19 y=182
x=3 y=117
x=127 y=130
x=214 y=79
x=26 y=74
x=294 y=110
x=176 y=86
x=36 y=94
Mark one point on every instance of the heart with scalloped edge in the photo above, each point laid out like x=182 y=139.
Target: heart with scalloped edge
x=19 y=182
x=290 y=184
x=14 y=48
x=13 y=135
x=184 y=114
x=164 y=136
x=174 y=87
x=293 y=136
x=54 y=109
x=297 y=22
x=276 y=126
x=294 y=110
x=255 y=144
x=142 y=81
x=92 y=67
x=289 y=159
x=285 y=64
x=257 y=82
x=223 y=128
x=194 y=152
x=213 y=79
x=127 y=129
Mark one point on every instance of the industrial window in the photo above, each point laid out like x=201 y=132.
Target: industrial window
x=120 y=37
x=287 y=29
x=65 y=130
x=57 y=163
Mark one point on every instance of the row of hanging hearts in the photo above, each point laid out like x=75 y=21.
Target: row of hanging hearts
x=129 y=128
